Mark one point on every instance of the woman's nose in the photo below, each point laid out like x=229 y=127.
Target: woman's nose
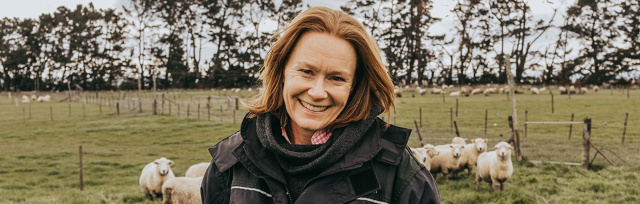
x=317 y=90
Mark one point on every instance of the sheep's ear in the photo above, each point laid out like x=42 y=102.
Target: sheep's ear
x=170 y=163
x=155 y=162
x=474 y=141
x=461 y=147
x=451 y=145
x=495 y=148
x=486 y=141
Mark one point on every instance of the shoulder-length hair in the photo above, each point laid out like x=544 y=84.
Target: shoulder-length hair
x=372 y=86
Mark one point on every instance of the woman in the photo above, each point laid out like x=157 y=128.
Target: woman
x=313 y=136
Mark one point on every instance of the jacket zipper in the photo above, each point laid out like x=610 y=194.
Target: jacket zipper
x=288 y=194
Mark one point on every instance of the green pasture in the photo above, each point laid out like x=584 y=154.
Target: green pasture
x=39 y=157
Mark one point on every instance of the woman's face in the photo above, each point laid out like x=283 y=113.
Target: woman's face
x=318 y=78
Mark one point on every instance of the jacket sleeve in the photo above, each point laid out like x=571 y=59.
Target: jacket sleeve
x=215 y=186
x=421 y=189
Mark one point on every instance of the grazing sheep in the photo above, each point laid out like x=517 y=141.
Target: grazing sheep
x=535 y=91
x=436 y=91
x=562 y=90
x=595 y=88
x=543 y=89
x=154 y=175
x=444 y=87
x=469 y=158
x=455 y=93
x=398 y=92
x=476 y=91
x=583 y=90
x=495 y=167
x=34 y=97
x=408 y=88
x=425 y=154
x=501 y=90
x=182 y=190
x=489 y=91
x=421 y=91
x=25 y=99
x=458 y=140
x=572 y=90
x=447 y=160
x=47 y=98
x=451 y=86
x=197 y=170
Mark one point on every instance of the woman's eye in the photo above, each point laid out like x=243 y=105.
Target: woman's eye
x=306 y=71
x=337 y=78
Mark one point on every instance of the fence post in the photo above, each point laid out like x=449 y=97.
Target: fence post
x=178 y=110
x=419 y=136
x=51 y=111
x=118 y=107
x=552 y=109
x=29 y=110
x=208 y=112
x=198 y=110
x=451 y=118
x=220 y=113
x=526 y=118
x=236 y=103
x=162 y=104
x=155 y=107
x=23 y=116
x=81 y=172
x=100 y=107
x=456 y=107
x=442 y=96
x=624 y=131
x=69 y=109
x=421 y=118
x=455 y=123
x=585 y=142
x=188 y=107
x=234 y=116
x=84 y=111
x=570 y=126
x=486 y=115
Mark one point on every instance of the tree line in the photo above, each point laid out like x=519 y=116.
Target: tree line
x=150 y=44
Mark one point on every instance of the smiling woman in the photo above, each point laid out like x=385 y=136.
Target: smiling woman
x=313 y=136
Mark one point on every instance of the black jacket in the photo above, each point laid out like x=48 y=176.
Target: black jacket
x=380 y=169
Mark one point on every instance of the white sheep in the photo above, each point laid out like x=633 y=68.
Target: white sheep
x=398 y=92
x=489 y=91
x=182 y=190
x=562 y=90
x=476 y=91
x=469 y=158
x=583 y=90
x=424 y=154
x=447 y=160
x=535 y=91
x=422 y=91
x=436 y=91
x=47 y=98
x=458 y=140
x=451 y=86
x=154 y=175
x=595 y=88
x=455 y=93
x=34 y=97
x=572 y=90
x=25 y=99
x=197 y=170
x=495 y=167
x=543 y=89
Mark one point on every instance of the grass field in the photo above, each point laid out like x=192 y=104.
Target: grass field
x=39 y=158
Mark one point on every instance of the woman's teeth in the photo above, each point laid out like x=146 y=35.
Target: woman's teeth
x=314 y=108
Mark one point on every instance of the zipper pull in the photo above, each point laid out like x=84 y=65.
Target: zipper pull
x=288 y=194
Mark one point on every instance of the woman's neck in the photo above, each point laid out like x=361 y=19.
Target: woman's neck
x=299 y=135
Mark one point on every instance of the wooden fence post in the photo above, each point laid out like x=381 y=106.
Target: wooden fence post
x=24 y=120
x=624 y=131
x=51 y=111
x=220 y=113
x=456 y=107
x=552 y=109
x=455 y=123
x=118 y=107
x=442 y=97
x=486 y=115
x=208 y=112
x=178 y=110
x=188 y=107
x=69 y=109
x=570 y=126
x=418 y=130
x=29 y=110
x=451 y=118
x=162 y=111
x=421 y=117
x=84 y=111
x=236 y=103
x=585 y=142
x=234 y=115
x=526 y=118
x=81 y=172
x=198 y=110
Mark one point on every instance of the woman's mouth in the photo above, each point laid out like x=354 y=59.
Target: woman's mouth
x=313 y=108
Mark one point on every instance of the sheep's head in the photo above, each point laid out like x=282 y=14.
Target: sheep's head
x=503 y=150
x=431 y=150
x=456 y=149
x=164 y=165
x=480 y=144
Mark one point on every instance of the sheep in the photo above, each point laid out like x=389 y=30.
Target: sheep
x=436 y=91
x=197 y=170
x=562 y=90
x=444 y=87
x=595 y=88
x=408 y=88
x=424 y=154
x=543 y=89
x=469 y=158
x=447 y=160
x=476 y=91
x=182 y=190
x=458 y=140
x=501 y=90
x=572 y=90
x=495 y=167
x=535 y=91
x=489 y=91
x=422 y=91
x=154 y=175
x=451 y=86
x=583 y=90
x=455 y=93
x=398 y=92
x=47 y=98
x=25 y=99
x=34 y=97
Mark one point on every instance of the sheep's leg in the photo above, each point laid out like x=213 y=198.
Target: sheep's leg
x=154 y=195
x=469 y=172
x=501 y=186
x=477 y=184
x=491 y=186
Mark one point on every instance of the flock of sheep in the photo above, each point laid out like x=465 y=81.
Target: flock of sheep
x=25 y=99
x=494 y=167
x=157 y=179
x=487 y=90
